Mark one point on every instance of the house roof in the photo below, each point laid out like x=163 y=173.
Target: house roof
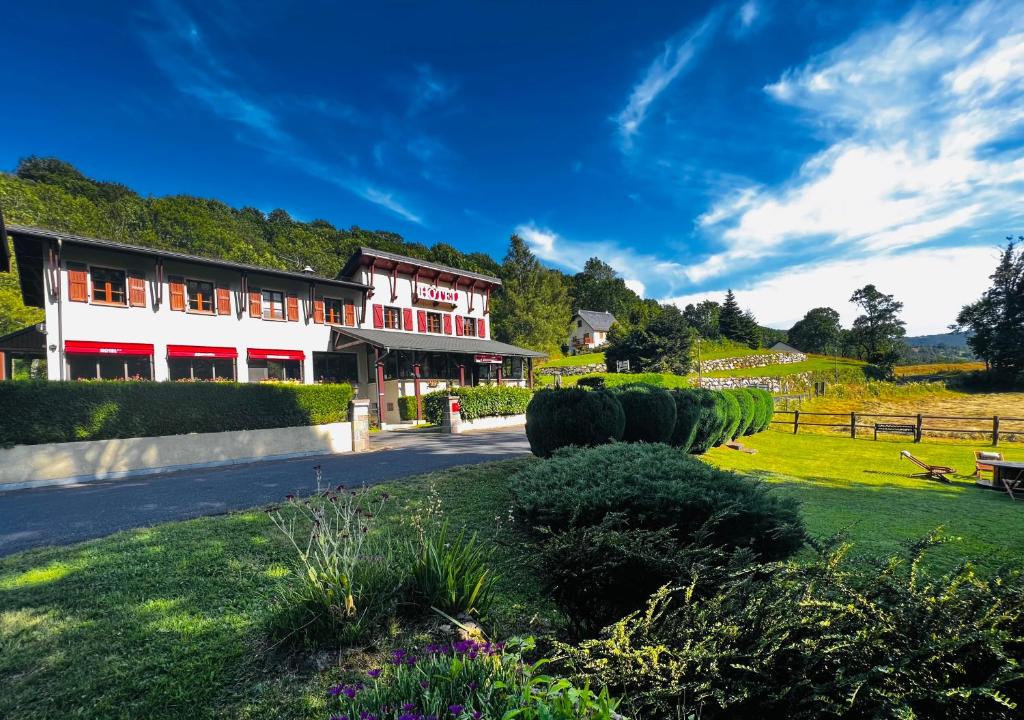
x=32 y=337
x=397 y=340
x=30 y=258
x=408 y=265
x=600 y=321
x=783 y=347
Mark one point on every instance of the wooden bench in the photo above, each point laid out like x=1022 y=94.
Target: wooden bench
x=896 y=429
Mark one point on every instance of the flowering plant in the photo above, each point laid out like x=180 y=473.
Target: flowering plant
x=466 y=680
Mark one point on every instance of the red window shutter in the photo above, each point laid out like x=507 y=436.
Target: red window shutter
x=350 y=314
x=481 y=328
x=447 y=324
x=421 y=321
x=458 y=325
x=255 y=304
x=177 y=294
x=223 y=301
x=318 y=312
x=78 y=283
x=136 y=291
x=407 y=318
x=378 y=316
x=293 y=308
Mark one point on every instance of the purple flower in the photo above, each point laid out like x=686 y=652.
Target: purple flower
x=339 y=717
x=455 y=709
x=349 y=691
x=375 y=673
x=408 y=707
x=398 y=657
x=335 y=691
x=424 y=684
x=477 y=715
x=473 y=685
x=407 y=716
x=410 y=661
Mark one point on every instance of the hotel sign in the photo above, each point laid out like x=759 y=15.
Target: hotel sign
x=433 y=293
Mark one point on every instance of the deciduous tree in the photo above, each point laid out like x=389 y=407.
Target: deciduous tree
x=818 y=331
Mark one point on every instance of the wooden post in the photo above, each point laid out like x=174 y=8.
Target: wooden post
x=462 y=375
x=796 y=421
x=853 y=425
x=995 y=431
x=3 y=357
x=917 y=437
x=380 y=388
x=529 y=373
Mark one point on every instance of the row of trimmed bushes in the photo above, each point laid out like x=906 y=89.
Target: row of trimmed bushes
x=692 y=420
x=476 y=402
x=43 y=411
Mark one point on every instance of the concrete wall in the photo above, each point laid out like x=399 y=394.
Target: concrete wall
x=58 y=463
x=490 y=423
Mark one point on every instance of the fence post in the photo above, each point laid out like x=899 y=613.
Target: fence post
x=853 y=425
x=995 y=431
x=796 y=421
x=917 y=437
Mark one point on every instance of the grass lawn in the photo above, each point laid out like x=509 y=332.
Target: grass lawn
x=577 y=360
x=814 y=363
x=715 y=349
x=862 y=487
x=169 y=621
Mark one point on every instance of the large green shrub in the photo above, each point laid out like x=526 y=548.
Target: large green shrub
x=747 y=411
x=559 y=418
x=478 y=402
x=654 y=487
x=765 y=409
x=43 y=411
x=711 y=422
x=688 y=417
x=407 y=407
x=650 y=413
x=825 y=638
x=729 y=408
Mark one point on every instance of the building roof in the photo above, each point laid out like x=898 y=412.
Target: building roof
x=30 y=259
x=5 y=254
x=387 y=261
x=397 y=340
x=601 y=321
x=783 y=347
x=32 y=337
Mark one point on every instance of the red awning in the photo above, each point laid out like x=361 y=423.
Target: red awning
x=200 y=351
x=89 y=347
x=264 y=354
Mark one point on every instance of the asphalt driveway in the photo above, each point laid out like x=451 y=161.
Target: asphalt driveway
x=71 y=513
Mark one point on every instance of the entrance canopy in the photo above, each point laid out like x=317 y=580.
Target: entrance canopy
x=391 y=340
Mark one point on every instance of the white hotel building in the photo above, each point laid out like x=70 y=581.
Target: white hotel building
x=391 y=325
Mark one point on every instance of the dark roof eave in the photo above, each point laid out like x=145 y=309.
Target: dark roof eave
x=99 y=243
x=356 y=260
x=398 y=340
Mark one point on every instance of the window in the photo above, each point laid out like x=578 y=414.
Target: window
x=392 y=318
x=579 y=323
x=273 y=305
x=282 y=370
x=334 y=311
x=469 y=326
x=108 y=286
x=335 y=368
x=107 y=367
x=200 y=296
x=512 y=368
x=201 y=368
x=433 y=322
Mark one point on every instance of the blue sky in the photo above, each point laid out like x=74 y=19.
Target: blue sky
x=792 y=151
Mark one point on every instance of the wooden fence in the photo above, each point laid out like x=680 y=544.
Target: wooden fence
x=995 y=425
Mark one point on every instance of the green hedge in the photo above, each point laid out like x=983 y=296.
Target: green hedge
x=764 y=410
x=43 y=411
x=650 y=413
x=407 y=407
x=477 y=402
x=571 y=416
x=729 y=409
x=748 y=410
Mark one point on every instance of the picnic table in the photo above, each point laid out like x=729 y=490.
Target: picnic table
x=1007 y=475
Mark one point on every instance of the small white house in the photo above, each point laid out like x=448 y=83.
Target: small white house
x=589 y=330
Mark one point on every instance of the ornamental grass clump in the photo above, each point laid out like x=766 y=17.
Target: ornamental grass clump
x=345 y=575
x=451 y=573
x=466 y=680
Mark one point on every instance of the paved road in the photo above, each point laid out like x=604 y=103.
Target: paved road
x=71 y=513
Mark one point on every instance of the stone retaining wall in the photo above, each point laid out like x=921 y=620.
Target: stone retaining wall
x=751 y=361
x=775 y=385
x=574 y=370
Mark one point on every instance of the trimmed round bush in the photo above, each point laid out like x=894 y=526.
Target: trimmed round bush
x=571 y=416
x=653 y=487
x=711 y=421
x=650 y=413
x=765 y=407
x=729 y=406
x=591 y=381
x=748 y=409
x=688 y=417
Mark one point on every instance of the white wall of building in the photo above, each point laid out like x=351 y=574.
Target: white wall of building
x=580 y=330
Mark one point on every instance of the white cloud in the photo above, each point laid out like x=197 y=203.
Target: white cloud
x=745 y=18
x=663 y=70
x=933 y=284
x=911 y=107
